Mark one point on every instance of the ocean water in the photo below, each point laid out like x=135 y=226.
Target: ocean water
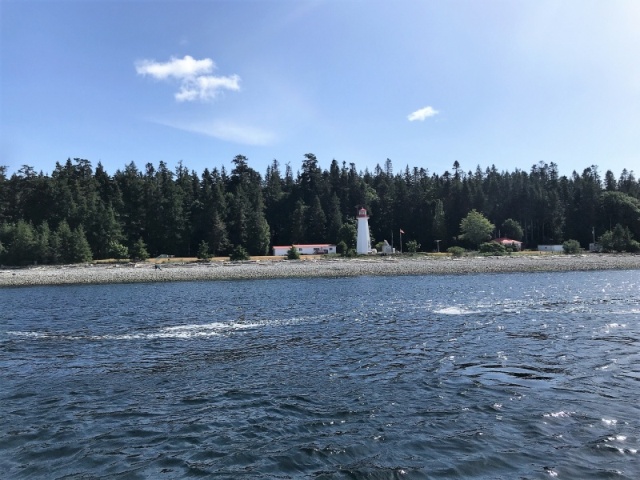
x=511 y=376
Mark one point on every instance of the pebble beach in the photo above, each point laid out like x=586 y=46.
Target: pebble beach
x=330 y=267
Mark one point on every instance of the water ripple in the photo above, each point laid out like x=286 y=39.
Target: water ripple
x=408 y=378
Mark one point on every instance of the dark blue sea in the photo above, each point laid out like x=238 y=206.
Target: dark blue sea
x=510 y=376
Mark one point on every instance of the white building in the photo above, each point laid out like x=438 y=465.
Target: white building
x=310 y=249
x=363 y=246
x=550 y=248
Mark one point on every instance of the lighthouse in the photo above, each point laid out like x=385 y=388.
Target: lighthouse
x=363 y=246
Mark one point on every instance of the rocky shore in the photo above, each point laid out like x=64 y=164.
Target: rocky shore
x=268 y=269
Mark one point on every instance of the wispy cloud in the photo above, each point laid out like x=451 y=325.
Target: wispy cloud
x=196 y=81
x=422 y=114
x=225 y=130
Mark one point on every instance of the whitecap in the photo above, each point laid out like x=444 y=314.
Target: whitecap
x=633 y=311
x=28 y=334
x=455 y=311
x=561 y=414
x=186 y=331
x=616 y=325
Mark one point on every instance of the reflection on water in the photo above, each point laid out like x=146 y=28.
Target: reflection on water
x=479 y=376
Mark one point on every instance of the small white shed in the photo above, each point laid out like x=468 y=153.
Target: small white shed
x=550 y=248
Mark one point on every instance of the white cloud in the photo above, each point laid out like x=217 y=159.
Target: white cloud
x=226 y=130
x=206 y=87
x=187 y=67
x=193 y=75
x=422 y=114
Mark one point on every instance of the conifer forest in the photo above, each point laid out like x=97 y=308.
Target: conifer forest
x=80 y=213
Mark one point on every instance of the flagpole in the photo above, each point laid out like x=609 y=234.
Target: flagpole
x=400 y=241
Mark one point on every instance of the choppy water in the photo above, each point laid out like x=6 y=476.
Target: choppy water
x=481 y=376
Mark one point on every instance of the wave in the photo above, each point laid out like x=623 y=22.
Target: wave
x=187 y=331
x=178 y=332
x=455 y=311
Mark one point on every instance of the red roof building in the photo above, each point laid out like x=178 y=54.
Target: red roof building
x=508 y=242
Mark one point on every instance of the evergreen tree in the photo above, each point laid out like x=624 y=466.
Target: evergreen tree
x=315 y=222
x=131 y=209
x=293 y=253
x=298 y=224
x=139 y=250
x=105 y=231
x=310 y=178
x=64 y=243
x=4 y=200
x=439 y=225
x=247 y=224
x=43 y=252
x=258 y=233
x=80 y=249
x=275 y=199
x=238 y=212
x=210 y=211
x=218 y=238
x=21 y=243
x=203 y=251
x=334 y=219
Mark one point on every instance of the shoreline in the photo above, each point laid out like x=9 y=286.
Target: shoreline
x=93 y=274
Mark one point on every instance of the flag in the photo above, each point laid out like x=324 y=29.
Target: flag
x=402 y=231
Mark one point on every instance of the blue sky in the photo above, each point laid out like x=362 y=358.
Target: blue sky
x=424 y=83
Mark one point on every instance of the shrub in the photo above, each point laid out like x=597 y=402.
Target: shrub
x=412 y=246
x=493 y=248
x=456 y=251
x=117 y=250
x=203 y=251
x=619 y=239
x=571 y=246
x=238 y=253
x=293 y=253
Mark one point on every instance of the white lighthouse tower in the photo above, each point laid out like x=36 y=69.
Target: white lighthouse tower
x=363 y=246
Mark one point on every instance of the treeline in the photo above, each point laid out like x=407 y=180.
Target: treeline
x=78 y=213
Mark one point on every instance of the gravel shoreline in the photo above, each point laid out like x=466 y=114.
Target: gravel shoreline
x=372 y=266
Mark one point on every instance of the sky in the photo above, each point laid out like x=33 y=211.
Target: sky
x=423 y=83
